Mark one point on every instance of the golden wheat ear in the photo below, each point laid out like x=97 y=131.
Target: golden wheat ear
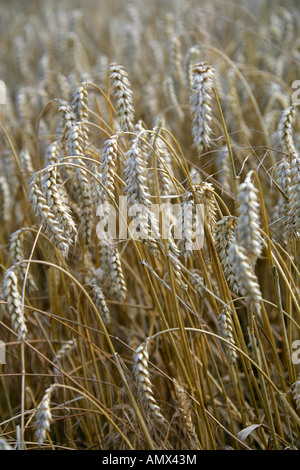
x=144 y=386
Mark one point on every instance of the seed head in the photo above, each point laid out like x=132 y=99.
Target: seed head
x=202 y=88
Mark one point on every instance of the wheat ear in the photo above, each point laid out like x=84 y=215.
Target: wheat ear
x=122 y=94
x=245 y=277
x=113 y=280
x=100 y=303
x=144 y=386
x=224 y=237
x=80 y=106
x=200 y=98
x=296 y=393
x=62 y=352
x=26 y=162
x=247 y=230
x=75 y=142
x=184 y=409
x=281 y=212
x=46 y=217
x=5 y=199
x=16 y=251
x=293 y=226
x=14 y=303
x=138 y=194
x=205 y=193
x=225 y=330
x=286 y=129
x=186 y=225
x=43 y=416
x=107 y=167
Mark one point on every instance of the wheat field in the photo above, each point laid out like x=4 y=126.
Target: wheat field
x=150 y=224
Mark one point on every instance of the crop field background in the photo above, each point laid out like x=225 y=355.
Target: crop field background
x=124 y=327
